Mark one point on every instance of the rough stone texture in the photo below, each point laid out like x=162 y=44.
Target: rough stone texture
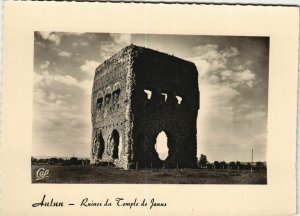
x=126 y=121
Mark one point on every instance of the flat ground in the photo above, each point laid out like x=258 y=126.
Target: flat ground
x=91 y=174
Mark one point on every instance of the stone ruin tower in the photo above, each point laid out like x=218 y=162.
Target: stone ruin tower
x=137 y=94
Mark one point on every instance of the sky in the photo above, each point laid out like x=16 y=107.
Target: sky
x=233 y=83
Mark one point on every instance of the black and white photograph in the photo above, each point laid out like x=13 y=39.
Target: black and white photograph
x=149 y=109
x=116 y=108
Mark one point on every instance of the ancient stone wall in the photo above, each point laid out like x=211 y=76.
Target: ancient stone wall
x=138 y=93
x=172 y=108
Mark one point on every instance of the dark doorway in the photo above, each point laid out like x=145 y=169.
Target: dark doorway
x=115 y=141
x=101 y=145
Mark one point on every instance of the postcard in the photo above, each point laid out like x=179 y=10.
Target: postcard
x=149 y=109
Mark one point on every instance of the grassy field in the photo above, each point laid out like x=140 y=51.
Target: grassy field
x=93 y=175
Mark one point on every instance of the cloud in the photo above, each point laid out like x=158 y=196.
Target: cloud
x=59 y=113
x=107 y=50
x=55 y=37
x=213 y=97
x=216 y=80
x=50 y=106
x=255 y=116
x=245 y=77
x=117 y=42
x=230 y=52
x=56 y=120
x=51 y=36
x=222 y=93
x=223 y=74
x=214 y=56
x=54 y=97
x=202 y=65
x=123 y=39
x=44 y=65
x=215 y=107
x=37 y=78
x=45 y=78
x=213 y=65
x=208 y=58
x=65 y=54
x=226 y=74
x=89 y=67
x=84 y=43
x=243 y=107
x=86 y=86
x=205 y=50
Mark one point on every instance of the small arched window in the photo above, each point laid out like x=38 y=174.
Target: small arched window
x=149 y=93
x=99 y=103
x=165 y=96
x=107 y=99
x=116 y=95
x=179 y=99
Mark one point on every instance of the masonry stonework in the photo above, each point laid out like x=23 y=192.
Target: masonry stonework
x=137 y=94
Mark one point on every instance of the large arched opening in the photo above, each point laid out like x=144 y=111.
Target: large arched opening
x=115 y=142
x=101 y=145
x=161 y=146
